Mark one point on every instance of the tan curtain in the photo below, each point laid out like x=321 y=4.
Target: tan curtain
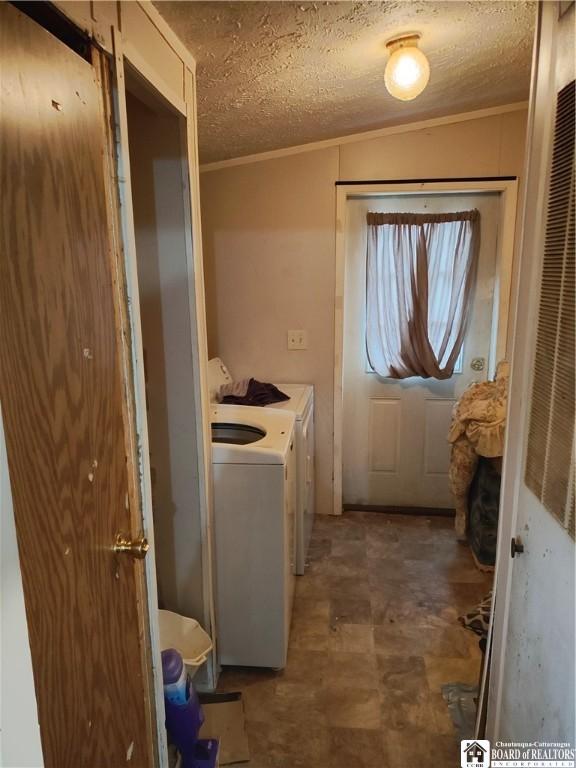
x=419 y=280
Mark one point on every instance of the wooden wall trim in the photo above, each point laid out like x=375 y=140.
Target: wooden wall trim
x=102 y=68
x=202 y=394
x=130 y=268
x=168 y=34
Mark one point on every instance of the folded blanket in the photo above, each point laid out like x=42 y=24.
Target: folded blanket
x=251 y=392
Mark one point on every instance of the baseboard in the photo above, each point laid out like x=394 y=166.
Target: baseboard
x=417 y=511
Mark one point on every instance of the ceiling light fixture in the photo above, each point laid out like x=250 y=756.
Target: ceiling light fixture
x=407 y=71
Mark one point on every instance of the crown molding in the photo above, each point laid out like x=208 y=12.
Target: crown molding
x=365 y=136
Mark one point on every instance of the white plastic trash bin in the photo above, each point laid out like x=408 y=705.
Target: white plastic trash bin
x=186 y=636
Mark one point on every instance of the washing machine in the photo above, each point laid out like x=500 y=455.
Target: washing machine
x=254 y=468
x=301 y=403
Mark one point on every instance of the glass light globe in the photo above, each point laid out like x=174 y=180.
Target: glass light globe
x=407 y=73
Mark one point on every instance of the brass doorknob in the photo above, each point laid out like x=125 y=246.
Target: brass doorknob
x=137 y=548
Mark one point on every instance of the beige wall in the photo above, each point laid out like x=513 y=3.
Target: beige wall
x=160 y=231
x=269 y=247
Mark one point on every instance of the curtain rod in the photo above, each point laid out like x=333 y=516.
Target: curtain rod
x=423 y=181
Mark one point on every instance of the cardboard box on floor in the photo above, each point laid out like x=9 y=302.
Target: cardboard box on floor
x=224 y=720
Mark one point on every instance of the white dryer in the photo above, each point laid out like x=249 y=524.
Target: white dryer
x=301 y=403
x=254 y=469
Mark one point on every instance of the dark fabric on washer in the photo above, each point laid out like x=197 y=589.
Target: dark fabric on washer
x=258 y=393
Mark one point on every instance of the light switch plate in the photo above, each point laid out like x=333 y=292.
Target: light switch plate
x=297 y=339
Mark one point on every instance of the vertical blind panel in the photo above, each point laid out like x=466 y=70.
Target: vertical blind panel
x=550 y=452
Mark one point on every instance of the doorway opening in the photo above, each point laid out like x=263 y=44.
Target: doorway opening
x=392 y=469
x=346 y=193
x=396 y=453
x=162 y=222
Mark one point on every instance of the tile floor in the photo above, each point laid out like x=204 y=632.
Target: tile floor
x=374 y=636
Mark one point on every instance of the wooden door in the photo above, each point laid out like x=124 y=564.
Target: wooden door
x=64 y=396
x=396 y=451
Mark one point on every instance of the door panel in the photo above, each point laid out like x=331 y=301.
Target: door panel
x=437 y=414
x=395 y=451
x=532 y=693
x=384 y=440
x=63 y=397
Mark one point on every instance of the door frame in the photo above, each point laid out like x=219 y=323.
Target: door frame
x=507 y=187
x=186 y=110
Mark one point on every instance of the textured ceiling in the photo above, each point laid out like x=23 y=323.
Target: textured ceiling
x=277 y=74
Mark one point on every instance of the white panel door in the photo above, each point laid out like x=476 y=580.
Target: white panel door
x=532 y=693
x=395 y=449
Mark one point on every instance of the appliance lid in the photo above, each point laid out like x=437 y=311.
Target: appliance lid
x=301 y=395
x=218 y=375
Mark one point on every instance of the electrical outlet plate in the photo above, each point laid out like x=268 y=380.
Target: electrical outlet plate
x=297 y=339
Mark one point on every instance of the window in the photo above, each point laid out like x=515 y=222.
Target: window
x=420 y=271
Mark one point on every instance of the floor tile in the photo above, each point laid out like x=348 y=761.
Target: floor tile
x=386 y=569
x=312 y=585
x=319 y=548
x=344 y=527
x=349 y=610
x=352 y=638
x=352 y=670
x=406 y=700
x=284 y=745
x=450 y=670
x=356 y=748
x=310 y=609
x=443 y=640
x=304 y=666
x=404 y=674
x=344 y=585
x=414 y=747
x=350 y=566
x=454 y=569
x=284 y=702
x=310 y=634
x=351 y=707
x=354 y=550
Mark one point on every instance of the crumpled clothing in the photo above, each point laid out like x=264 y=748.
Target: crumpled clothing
x=478 y=429
x=234 y=388
x=250 y=392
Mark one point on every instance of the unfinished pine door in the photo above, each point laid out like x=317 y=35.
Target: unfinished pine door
x=64 y=393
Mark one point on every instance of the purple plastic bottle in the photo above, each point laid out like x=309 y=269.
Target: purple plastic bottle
x=184 y=715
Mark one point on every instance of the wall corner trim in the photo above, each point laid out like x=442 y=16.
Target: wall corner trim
x=168 y=34
x=417 y=125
